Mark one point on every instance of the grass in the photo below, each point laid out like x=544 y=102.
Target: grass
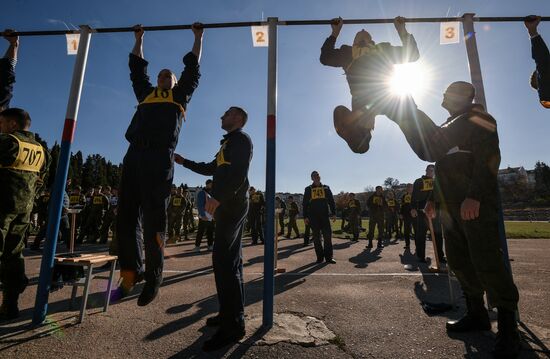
x=513 y=229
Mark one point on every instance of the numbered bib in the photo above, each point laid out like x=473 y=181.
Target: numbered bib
x=256 y=198
x=98 y=200
x=317 y=193
x=391 y=203
x=407 y=198
x=177 y=202
x=427 y=184
x=30 y=157
x=162 y=96
x=220 y=157
x=377 y=201
x=74 y=200
x=351 y=204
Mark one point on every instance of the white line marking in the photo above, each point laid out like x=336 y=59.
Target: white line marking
x=301 y=274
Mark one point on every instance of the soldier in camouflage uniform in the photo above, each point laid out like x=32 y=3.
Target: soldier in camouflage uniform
x=77 y=200
x=353 y=210
x=23 y=164
x=109 y=217
x=293 y=212
x=391 y=209
x=99 y=204
x=41 y=208
x=84 y=214
x=188 y=218
x=176 y=209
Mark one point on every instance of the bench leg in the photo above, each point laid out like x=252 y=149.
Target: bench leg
x=109 y=286
x=86 y=292
x=73 y=295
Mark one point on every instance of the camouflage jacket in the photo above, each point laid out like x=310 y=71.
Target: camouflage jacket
x=23 y=165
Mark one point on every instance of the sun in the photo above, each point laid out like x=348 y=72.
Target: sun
x=410 y=79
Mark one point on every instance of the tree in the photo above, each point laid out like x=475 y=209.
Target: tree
x=391 y=182
x=54 y=152
x=542 y=186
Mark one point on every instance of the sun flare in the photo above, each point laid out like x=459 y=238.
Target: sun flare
x=410 y=79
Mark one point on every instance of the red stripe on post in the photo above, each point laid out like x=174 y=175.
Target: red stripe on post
x=68 y=130
x=270 y=127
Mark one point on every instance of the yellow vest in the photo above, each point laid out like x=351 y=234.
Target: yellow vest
x=427 y=184
x=30 y=157
x=318 y=193
x=162 y=96
x=220 y=157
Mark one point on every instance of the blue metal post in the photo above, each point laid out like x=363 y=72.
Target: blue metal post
x=56 y=200
x=269 y=244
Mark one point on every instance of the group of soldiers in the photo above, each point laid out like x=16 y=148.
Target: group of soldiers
x=180 y=214
x=95 y=212
x=256 y=217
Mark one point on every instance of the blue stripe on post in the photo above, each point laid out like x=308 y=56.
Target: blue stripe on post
x=54 y=217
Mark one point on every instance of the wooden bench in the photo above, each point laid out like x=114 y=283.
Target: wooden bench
x=88 y=262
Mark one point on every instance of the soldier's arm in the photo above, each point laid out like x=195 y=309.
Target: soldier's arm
x=369 y=201
x=8 y=150
x=426 y=139
x=486 y=158
x=540 y=54
x=406 y=53
x=44 y=171
x=202 y=168
x=331 y=203
x=189 y=79
x=306 y=201
x=331 y=56
x=7 y=70
x=416 y=190
x=138 y=67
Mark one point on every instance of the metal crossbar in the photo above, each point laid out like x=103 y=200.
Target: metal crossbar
x=280 y=23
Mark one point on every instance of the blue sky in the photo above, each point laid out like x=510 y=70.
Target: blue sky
x=234 y=73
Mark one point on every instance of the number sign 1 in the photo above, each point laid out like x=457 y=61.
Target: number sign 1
x=72 y=43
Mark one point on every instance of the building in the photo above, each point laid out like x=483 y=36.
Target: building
x=513 y=175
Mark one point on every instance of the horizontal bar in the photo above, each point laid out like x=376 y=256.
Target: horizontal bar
x=409 y=20
x=284 y=23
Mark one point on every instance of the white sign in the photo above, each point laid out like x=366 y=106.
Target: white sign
x=72 y=43
x=260 y=36
x=450 y=33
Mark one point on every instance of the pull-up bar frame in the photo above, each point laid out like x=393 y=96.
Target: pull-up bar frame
x=222 y=25
x=41 y=303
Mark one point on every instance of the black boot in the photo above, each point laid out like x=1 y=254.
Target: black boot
x=508 y=343
x=9 y=309
x=214 y=321
x=149 y=292
x=476 y=318
x=223 y=338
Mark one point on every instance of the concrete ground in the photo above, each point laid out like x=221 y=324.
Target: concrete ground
x=366 y=299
